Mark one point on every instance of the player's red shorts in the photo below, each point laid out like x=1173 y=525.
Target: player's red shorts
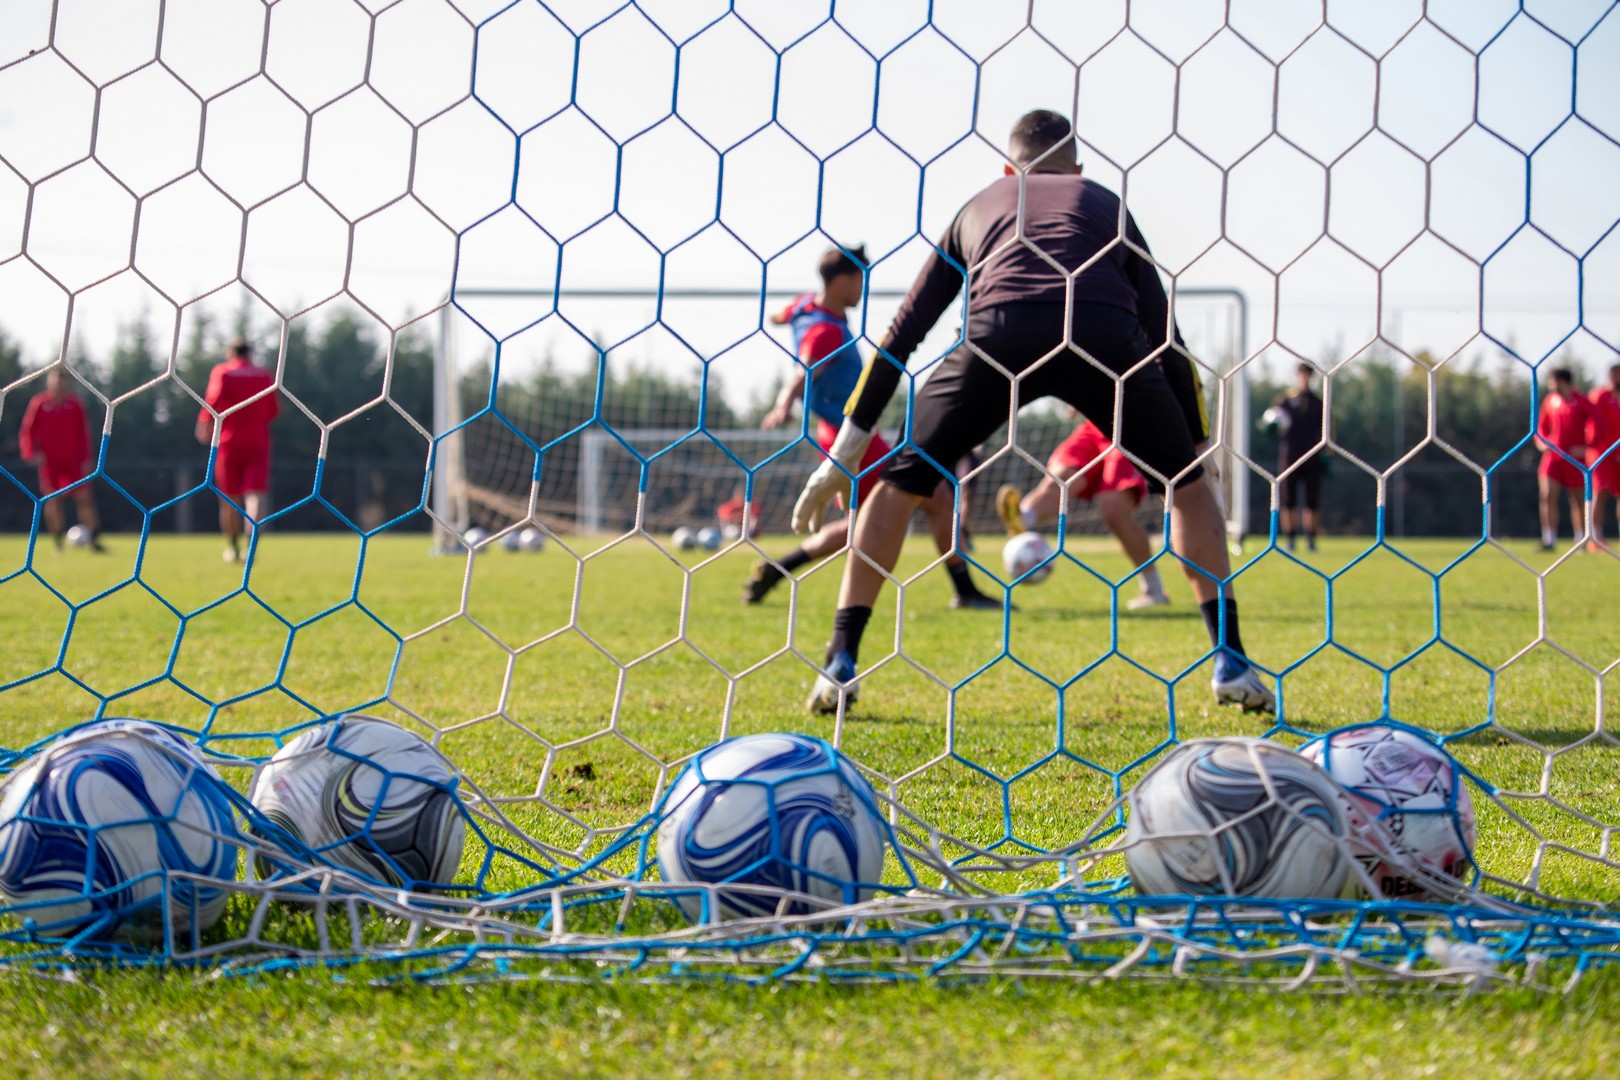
x=1561 y=471
x=826 y=433
x=1086 y=444
x=54 y=476
x=239 y=470
x=1605 y=473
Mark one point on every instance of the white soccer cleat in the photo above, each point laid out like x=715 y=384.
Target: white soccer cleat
x=837 y=686
x=1148 y=598
x=1236 y=683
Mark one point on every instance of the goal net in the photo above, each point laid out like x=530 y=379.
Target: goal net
x=505 y=272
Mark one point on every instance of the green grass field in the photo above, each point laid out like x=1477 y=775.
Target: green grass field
x=536 y=689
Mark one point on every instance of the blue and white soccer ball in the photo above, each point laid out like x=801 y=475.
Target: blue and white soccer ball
x=786 y=812
x=79 y=536
x=370 y=797
x=475 y=537
x=1237 y=817
x=93 y=826
x=1024 y=553
x=708 y=538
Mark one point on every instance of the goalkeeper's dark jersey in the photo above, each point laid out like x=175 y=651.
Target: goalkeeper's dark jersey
x=1071 y=221
x=1304 y=434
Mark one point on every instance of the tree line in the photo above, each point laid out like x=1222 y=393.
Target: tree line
x=1483 y=409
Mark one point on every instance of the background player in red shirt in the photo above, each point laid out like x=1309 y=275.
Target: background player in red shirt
x=55 y=437
x=1562 y=427
x=1602 y=432
x=1113 y=484
x=242 y=465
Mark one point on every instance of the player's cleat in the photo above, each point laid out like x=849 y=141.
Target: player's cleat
x=1236 y=683
x=1148 y=598
x=838 y=684
x=975 y=602
x=1009 y=505
x=231 y=555
x=761 y=580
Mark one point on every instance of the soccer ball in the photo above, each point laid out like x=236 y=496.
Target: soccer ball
x=731 y=531
x=532 y=539
x=475 y=536
x=1237 y=817
x=784 y=811
x=1412 y=790
x=91 y=827
x=684 y=538
x=79 y=536
x=370 y=797
x=512 y=541
x=708 y=538
x=1026 y=554
x=1276 y=420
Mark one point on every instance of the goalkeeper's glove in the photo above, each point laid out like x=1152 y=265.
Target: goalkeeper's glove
x=831 y=477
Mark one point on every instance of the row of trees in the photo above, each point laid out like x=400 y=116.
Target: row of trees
x=375 y=460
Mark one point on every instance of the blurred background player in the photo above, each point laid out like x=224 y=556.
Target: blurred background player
x=1561 y=434
x=1602 y=432
x=827 y=358
x=242 y=465
x=1299 y=420
x=1059 y=266
x=1114 y=485
x=55 y=437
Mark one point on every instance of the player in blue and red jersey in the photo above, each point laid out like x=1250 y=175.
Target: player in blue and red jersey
x=829 y=363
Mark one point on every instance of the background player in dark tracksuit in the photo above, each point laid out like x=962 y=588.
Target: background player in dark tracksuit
x=1021 y=311
x=1299 y=456
x=828 y=362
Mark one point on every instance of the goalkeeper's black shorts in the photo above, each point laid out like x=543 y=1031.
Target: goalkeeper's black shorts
x=1014 y=355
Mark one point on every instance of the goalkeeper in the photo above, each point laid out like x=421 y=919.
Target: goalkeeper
x=1060 y=299
x=828 y=362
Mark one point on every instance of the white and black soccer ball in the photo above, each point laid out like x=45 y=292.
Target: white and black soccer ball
x=1276 y=420
x=369 y=796
x=684 y=538
x=787 y=812
x=79 y=536
x=512 y=541
x=475 y=536
x=708 y=538
x=94 y=826
x=1027 y=553
x=532 y=539
x=1411 y=817
x=1237 y=817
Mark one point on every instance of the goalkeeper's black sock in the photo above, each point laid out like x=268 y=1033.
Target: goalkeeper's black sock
x=795 y=559
x=1211 y=610
x=962 y=579
x=848 y=626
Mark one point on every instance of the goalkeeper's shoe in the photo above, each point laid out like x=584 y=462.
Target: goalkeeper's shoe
x=836 y=685
x=1236 y=683
x=1009 y=505
x=975 y=601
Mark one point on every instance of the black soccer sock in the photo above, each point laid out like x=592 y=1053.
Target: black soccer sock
x=848 y=626
x=962 y=579
x=796 y=558
x=1211 y=610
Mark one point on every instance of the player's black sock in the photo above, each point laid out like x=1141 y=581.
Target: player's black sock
x=962 y=579
x=1211 y=610
x=848 y=626
x=795 y=559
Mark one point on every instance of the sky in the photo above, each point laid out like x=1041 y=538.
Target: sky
x=1440 y=176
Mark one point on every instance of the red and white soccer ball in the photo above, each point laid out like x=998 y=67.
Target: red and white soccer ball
x=1026 y=552
x=1407 y=805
